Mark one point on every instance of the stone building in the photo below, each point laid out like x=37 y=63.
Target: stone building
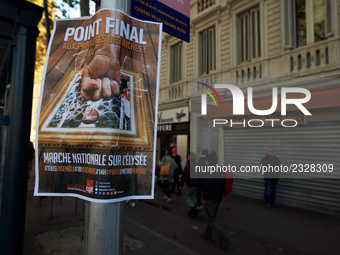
x=247 y=40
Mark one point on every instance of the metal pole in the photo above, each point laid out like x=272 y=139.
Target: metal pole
x=103 y=231
x=124 y=6
x=12 y=225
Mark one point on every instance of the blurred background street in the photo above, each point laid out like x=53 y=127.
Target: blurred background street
x=155 y=227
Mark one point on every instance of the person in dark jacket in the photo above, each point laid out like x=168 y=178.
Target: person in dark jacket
x=271 y=178
x=212 y=196
x=201 y=162
x=193 y=185
x=177 y=172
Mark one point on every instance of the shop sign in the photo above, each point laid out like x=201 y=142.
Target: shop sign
x=164 y=128
x=174 y=14
x=176 y=115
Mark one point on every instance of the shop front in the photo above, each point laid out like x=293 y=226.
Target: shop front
x=301 y=142
x=173 y=130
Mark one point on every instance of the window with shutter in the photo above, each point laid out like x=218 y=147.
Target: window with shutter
x=289 y=23
x=207 y=51
x=249 y=35
x=306 y=21
x=176 y=63
x=329 y=20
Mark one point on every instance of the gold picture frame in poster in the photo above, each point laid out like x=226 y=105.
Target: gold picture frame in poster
x=126 y=123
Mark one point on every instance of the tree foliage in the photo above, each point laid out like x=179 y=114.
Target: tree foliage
x=40 y=56
x=41 y=46
x=66 y=5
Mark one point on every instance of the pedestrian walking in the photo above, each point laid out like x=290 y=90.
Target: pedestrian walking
x=193 y=185
x=165 y=180
x=213 y=190
x=177 y=172
x=271 y=178
x=201 y=162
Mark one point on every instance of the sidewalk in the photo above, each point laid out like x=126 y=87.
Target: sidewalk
x=154 y=227
x=256 y=229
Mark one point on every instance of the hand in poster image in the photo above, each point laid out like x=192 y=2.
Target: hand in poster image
x=101 y=75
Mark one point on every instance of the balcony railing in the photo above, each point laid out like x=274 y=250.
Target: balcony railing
x=204 y=4
x=308 y=60
x=174 y=92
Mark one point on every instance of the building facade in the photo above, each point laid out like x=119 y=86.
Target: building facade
x=247 y=40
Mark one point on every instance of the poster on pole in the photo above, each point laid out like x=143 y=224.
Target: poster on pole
x=96 y=124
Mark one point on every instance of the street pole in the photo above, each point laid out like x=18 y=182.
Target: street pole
x=103 y=231
x=13 y=208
